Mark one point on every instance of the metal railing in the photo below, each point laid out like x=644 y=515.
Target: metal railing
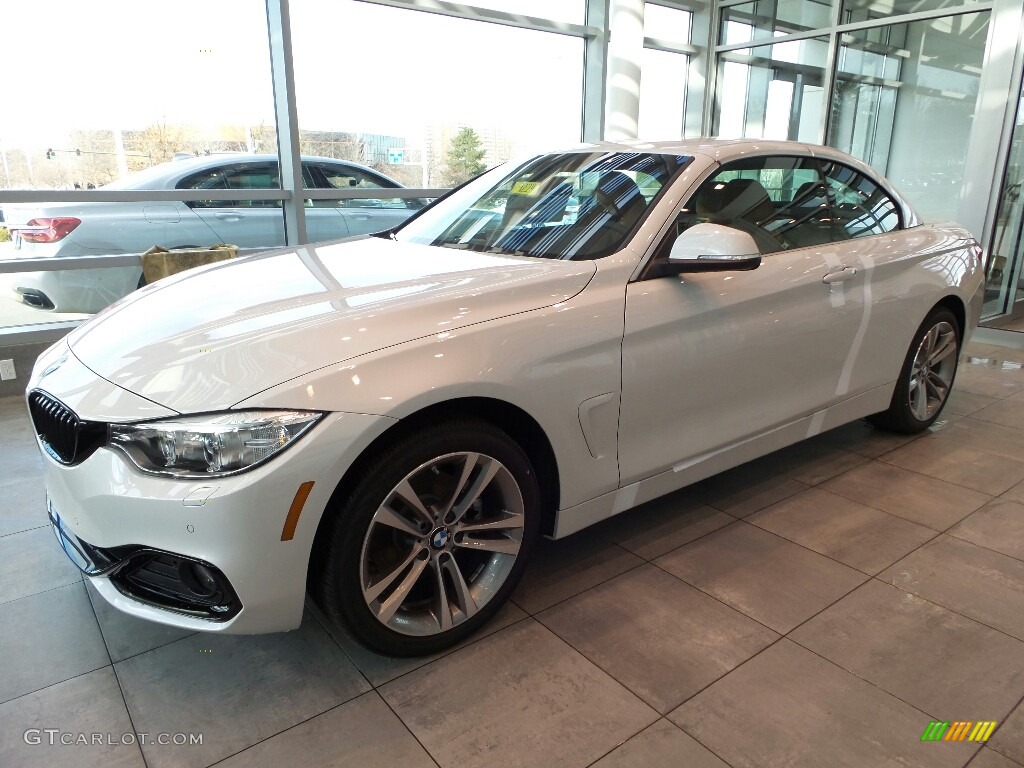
x=50 y=330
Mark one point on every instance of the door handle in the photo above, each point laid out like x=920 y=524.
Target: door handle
x=228 y=215
x=839 y=275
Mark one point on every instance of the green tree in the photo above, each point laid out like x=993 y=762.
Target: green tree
x=465 y=157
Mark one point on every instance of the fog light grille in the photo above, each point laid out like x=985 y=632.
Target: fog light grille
x=178 y=584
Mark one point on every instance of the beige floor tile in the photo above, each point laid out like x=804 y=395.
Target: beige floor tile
x=127 y=635
x=521 y=697
x=663 y=745
x=897 y=641
x=84 y=705
x=48 y=638
x=910 y=495
x=1008 y=739
x=23 y=507
x=1015 y=494
x=813 y=461
x=971 y=468
x=987 y=758
x=989 y=375
x=988 y=436
x=1000 y=352
x=363 y=733
x=965 y=403
x=862 y=438
x=32 y=561
x=973 y=581
x=382 y=669
x=747 y=488
x=789 y=707
x=560 y=569
x=854 y=534
x=998 y=525
x=234 y=689
x=1008 y=412
x=770 y=579
x=661 y=638
x=660 y=526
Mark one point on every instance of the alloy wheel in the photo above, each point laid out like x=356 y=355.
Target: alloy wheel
x=931 y=375
x=442 y=543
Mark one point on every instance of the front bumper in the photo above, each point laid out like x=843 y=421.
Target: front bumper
x=124 y=521
x=163 y=580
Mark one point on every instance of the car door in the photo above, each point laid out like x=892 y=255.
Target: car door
x=710 y=360
x=869 y=236
x=362 y=216
x=242 y=222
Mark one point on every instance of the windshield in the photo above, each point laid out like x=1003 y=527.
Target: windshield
x=575 y=205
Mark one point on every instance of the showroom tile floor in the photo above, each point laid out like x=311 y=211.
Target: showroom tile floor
x=817 y=607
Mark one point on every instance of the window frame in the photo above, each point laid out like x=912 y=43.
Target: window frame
x=657 y=253
x=897 y=203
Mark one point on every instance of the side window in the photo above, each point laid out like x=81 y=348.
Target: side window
x=242 y=176
x=859 y=206
x=347 y=177
x=779 y=201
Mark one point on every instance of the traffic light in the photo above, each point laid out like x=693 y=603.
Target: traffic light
x=50 y=154
x=78 y=152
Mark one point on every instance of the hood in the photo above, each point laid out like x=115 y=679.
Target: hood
x=209 y=338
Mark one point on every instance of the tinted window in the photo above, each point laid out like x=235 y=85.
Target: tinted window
x=242 y=176
x=859 y=206
x=576 y=205
x=328 y=176
x=779 y=201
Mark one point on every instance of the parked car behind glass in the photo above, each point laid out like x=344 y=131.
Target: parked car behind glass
x=88 y=229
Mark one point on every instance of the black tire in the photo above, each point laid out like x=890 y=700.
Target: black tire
x=924 y=384
x=443 y=465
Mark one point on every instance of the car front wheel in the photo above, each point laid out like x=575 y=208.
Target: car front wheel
x=927 y=376
x=432 y=540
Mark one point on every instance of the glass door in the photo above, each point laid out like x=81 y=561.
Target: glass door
x=1004 y=272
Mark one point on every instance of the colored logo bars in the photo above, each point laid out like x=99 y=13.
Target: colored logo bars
x=959 y=730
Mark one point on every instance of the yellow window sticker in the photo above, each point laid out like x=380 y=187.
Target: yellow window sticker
x=530 y=188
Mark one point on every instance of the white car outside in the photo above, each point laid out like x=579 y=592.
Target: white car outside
x=102 y=228
x=392 y=421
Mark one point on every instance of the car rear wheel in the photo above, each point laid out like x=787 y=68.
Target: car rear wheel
x=433 y=539
x=927 y=376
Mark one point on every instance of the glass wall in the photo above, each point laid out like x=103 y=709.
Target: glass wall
x=183 y=103
x=890 y=87
x=765 y=19
x=894 y=86
x=155 y=102
x=867 y=10
x=435 y=122
x=771 y=91
x=105 y=99
x=663 y=73
x=1004 y=284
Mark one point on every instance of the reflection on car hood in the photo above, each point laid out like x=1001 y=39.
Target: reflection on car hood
x=211 y=337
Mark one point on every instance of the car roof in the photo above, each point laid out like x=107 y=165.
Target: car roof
x=723 y=150
x=171 y=171
x=720 y=150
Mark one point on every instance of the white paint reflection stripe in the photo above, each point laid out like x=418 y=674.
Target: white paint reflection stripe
x=858 y=340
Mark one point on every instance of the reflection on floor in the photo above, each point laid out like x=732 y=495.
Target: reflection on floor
x=818 y=607
x=1007 y=325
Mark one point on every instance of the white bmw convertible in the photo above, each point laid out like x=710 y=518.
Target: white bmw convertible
x=391 y=421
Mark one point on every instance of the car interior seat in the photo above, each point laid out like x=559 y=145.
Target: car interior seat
x=743 y=204
x=608 y=214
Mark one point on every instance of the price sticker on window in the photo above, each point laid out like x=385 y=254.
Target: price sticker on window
x=529 y=188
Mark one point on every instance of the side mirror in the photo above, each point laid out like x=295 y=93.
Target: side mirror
x=711 y=248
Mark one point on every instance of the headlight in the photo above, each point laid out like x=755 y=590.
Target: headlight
x=212 y=445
